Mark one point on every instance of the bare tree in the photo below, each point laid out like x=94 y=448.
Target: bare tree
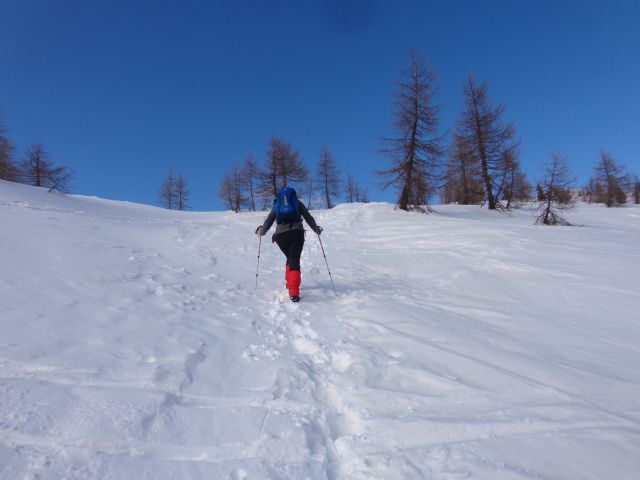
x=362 y=195
x=182 y=192
x=38 y=170
x=463 y=179
x=636 y=190
x=250 y=182
x=486 y=139
x=516 y=188
x=555 y=188
x=9 y=169
x=351 y=189
x=268 y=186
x=448 y=191
x=611 y=181
x=283 y=167
x=226 y=191
x=294 y=172
x=592 y=192
x=273 y=164
x=415 y=150
x=239 y=199
x=355 y=192
x=167 y=192
x=308 y=192
x=231 y=190
x=174 y=192
x=329 y=176
x=523 y=190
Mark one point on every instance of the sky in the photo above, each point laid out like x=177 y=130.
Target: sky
x=121 y=91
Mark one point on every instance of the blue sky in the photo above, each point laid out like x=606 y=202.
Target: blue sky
x=121 y=90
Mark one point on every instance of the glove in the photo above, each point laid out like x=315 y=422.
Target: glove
x=318 y=229
x=259 y=231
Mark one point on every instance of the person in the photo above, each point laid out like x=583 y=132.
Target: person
x=287 y=212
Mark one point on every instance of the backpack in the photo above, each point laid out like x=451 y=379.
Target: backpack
x=286 y=206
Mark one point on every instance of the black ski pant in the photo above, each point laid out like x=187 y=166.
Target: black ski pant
x=291 y=244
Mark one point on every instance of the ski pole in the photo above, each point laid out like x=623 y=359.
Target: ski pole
x=327 y=263
x=258 y=267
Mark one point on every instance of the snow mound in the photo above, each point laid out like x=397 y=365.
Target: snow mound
x=462 y=344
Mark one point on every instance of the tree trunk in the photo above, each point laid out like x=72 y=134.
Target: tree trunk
x=405 y=196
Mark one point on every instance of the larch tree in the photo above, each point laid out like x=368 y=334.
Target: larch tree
x=250 y=173
x=167 y=192
x=328 y=177
x=355 y=192
x=487 y=139
x=9 y=169
x=448 y=192
x=350 y=189
x=610 y=176
x=515 y=186
x=309 y=192
x=283 y=167
x=415 y=149
x=463 y=179
x=270 y=173
x=225 y=192
x=174 y=192
x=522 y=189
x=182 y=193
x=592 y=192
x=231 y=191
x=38 y=170
x=294 y=171
x=555 y=191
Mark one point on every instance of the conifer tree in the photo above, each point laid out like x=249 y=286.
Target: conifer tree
x=9 y=169
x=415 y=150
x=350 y=189
x=309 y=192
x=610 y=181
x=231 y=191
x=167 y=192
x=250 y=173
x=328 y=177
x=38 y=170
x=555 y=187
x=355 y=192
x=516 y=188
x=174 y=192
x=486 y=139
x=283 y=167
x=463 y=180
x=182 y=192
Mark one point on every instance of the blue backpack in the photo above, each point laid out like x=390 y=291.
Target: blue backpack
x=286 y=206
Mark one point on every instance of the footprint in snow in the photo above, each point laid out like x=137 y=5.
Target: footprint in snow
x=255 y=352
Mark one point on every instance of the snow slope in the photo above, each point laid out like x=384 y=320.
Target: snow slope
x=463 y=344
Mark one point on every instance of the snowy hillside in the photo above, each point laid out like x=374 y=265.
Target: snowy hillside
x=463 y=344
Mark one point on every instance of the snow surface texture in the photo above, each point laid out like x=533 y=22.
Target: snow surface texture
x=463 y=344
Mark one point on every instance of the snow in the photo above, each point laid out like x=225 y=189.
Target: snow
x=462 y=344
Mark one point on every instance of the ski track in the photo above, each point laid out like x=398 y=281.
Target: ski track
x=171 y=365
